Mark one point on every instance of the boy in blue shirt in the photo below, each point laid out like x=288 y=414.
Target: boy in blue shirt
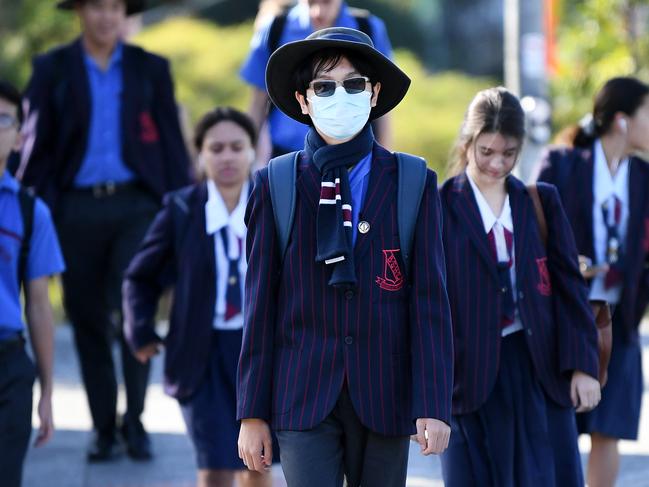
x=42 y=258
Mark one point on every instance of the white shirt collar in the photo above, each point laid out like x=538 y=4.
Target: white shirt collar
x=216 y=212
x=487 y=214
x=606 y=185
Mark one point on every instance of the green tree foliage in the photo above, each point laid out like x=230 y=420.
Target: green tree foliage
x=29 y=27
x=597 y=40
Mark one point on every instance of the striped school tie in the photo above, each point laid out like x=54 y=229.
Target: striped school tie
x=233 y=289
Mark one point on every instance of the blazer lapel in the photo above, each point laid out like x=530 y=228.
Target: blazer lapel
x=637 y=202
x=525 y=222
x=466 y=208
x=79 y=87
x=308 y=182
x=205 y=247
x=584 y=189
x=381 y=194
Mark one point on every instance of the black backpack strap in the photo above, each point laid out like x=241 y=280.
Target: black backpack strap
x=362 y=18
x=26 y=202
x=412 y=182
x=282 y=173
x=276 y=31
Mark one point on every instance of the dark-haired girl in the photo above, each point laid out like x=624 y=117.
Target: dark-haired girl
x=523 y=332
x=196 y=244
x=603 y=187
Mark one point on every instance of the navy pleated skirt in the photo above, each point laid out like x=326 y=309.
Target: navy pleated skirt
x=519 y=437
x=210 y=413
x=618 y=413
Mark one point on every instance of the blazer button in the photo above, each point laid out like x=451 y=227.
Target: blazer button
x=349 y=294
x=529 y=331
x=349 y=340
x=503 y=290
x=521 y=295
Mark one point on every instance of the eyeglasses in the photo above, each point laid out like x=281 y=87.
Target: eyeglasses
x=327 y=87
x=7 y=121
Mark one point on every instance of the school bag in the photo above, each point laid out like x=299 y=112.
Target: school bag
x=411 y=172
x=26 y=201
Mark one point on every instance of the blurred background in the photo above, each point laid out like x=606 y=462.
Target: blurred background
x=555 y=53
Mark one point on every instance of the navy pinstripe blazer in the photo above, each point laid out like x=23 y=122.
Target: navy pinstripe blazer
x=575 y=184
x=552 y=296
x=388 y=340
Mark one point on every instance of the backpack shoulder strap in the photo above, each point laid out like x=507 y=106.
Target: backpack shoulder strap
x=26 y=202
x=282 y=172
x=362 y=18
x=276 y=31
x=412 y=181
x=533 y=191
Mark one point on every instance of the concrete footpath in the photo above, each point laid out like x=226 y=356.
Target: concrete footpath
x=62 y=461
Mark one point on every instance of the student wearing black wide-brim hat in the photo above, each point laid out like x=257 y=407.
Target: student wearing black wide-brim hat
x=103 y=145
x=346 y=349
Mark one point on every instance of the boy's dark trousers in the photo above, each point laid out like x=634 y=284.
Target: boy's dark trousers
x=99 y=234
x=17 y=375
x=341 y=447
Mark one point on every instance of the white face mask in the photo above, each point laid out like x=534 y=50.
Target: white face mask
x=341 y=115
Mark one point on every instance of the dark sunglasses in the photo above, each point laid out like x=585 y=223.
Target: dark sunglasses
x=7 y=121
x=327 y=87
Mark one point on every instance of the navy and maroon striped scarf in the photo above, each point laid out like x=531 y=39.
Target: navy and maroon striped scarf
x=334 y=220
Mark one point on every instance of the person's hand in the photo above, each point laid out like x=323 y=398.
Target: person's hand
x=255 y=445
x=588 y=270
x=432 y=435
x=46 y=428
x=585 y=391
x=146 y=352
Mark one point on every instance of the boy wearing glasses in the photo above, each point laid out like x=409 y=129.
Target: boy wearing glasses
x=104 y=145
x=346 y=352
x=29 y=254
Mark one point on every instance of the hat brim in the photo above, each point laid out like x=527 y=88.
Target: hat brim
x=285 y=60
x=132 y=6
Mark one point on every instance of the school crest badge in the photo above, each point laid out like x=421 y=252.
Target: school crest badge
x=392 y=278
x=544 y=285
x=645 y=240
x=148 y=129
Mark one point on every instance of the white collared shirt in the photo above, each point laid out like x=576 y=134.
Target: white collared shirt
x=490 y=221
x=216 y=218
x=606 y=187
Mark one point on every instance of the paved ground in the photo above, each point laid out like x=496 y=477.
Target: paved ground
x=61 y=463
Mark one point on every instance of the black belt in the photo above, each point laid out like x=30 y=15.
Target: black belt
x=108 y=188
x=11 y=343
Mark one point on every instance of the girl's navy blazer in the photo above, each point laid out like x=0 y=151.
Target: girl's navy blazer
x=571 y=171
x=551 y=295
x=176 y=251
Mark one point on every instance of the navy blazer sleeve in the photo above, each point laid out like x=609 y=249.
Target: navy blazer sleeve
x=167 y=116
x=36 y=167
x=146 y=278
x=254 y=380
x=430 y=315
x=576 y=325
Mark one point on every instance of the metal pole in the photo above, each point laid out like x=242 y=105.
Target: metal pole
x=511 y=18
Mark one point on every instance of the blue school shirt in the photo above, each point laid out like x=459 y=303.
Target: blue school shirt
x=103 y=160
x=44 y=258
x=284 y=131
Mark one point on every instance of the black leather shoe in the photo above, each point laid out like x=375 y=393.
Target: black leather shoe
x=103 y=448
x=138 y=444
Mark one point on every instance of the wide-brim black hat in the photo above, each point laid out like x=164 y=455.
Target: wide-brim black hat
x=285 y=60
x=132 y=6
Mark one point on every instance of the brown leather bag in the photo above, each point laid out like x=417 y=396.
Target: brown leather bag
x=601 y=309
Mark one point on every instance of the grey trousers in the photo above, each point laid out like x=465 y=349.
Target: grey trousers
x=341 y=448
